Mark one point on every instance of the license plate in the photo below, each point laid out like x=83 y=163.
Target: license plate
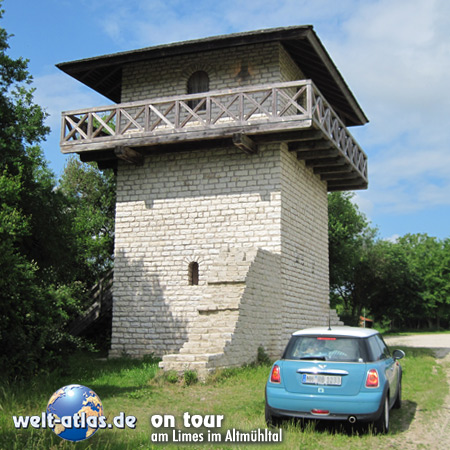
x=326 y=380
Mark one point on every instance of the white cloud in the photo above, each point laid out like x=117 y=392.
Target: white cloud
x=140 y=23
x=396 y=57
x=394 y=54
x=57 y=92
x=394 y=238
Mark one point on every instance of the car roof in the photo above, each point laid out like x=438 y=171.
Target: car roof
x=337 y=331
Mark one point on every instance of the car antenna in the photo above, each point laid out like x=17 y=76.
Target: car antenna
x=329 y=320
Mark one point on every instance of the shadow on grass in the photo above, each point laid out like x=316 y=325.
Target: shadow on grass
x=105 y=391
x=108 y=378
x=401 y=420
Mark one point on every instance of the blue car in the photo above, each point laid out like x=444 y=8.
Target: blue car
x=340 y=373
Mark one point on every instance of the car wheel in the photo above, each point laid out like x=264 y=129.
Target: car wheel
x=398 y=400
x=382 y=424
x=271 y=420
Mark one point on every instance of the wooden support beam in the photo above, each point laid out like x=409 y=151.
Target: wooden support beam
x=308 y=146
x=335 y=169
x=317 y=154
x=129 y=155
x=348 y=184
x=340 y=176
x=243 y=142
x=288 y=136
x=332 y=188
x=325 y=162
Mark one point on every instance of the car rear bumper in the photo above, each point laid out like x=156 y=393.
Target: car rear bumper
x=308 y=415
x=364 y=407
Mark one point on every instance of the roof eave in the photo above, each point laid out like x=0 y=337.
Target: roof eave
x=84 y=68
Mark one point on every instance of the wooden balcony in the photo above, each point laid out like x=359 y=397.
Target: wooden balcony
x=292 y=112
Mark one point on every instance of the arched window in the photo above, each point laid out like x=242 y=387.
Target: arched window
x=198 y=82
x=193 y=273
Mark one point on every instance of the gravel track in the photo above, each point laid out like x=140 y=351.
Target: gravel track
x=422 y=434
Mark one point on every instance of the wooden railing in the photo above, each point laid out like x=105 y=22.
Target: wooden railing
x=261 y=108
x=101 y=297
x=337 y=132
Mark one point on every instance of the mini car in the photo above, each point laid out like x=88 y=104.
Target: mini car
x=339 y=373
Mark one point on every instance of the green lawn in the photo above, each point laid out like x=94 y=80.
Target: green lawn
x=139 y=388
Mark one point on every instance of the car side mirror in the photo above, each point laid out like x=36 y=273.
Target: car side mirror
x=398 y=354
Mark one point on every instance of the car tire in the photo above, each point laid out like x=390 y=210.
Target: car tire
x=382 y=424
x=271 y=420
x=398 y=400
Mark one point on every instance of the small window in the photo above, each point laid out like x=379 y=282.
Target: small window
x=193 y=274
x=378 y=348
x=385 y=353
x=198 y=82
x=375 y=349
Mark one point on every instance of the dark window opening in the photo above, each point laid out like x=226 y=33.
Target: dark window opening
x=198 y=82
x=193 y=274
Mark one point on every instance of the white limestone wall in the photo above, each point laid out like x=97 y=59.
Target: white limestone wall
x=256 y=225
x=304 y=246
x=175 y=209
x=226 y=68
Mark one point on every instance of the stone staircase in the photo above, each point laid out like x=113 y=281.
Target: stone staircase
x=100 y=309
x=334 y=318
x=220 y=331
x=218 y=314
x=203 y=351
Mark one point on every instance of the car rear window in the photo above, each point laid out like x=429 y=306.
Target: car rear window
x=326 y=348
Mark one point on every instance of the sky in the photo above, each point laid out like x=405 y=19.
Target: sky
x=393 y=54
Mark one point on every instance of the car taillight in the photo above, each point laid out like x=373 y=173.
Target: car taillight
x=373 y=380
x=275 y=377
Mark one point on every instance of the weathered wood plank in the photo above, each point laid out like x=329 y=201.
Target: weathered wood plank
x=243 y=142
x=264 y=132
x=334 y=169
x=129 y=155
x=258 y=105
x=340 y=176
x=325 y=162
x=303 y=146
x=293 y=112
x=314 y=154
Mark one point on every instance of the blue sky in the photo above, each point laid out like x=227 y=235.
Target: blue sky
x=394 y=55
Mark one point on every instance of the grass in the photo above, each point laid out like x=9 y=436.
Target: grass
x=139 y=388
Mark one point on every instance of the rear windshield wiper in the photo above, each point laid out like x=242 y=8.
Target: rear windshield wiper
x=309 y=358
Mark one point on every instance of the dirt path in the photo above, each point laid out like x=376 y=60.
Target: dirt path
x=422 y=434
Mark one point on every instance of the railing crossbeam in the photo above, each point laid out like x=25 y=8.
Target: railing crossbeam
x=245 y=106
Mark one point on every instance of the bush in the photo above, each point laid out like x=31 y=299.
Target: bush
x=262 y=358
x=172 y=376
x=190 y=377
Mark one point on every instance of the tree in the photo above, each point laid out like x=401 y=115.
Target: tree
x=37 y=292
x=91 y=196
x=403 y=284
x=429 y=259
x=348 y=234
x=390 y=286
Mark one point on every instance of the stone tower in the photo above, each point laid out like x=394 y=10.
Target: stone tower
x=224 y=149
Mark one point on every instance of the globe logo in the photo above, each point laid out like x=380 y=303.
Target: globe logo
x=76 y=412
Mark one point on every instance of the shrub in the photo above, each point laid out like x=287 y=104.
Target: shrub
x=190 y=377
x=172 y=376
x=262 y=358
